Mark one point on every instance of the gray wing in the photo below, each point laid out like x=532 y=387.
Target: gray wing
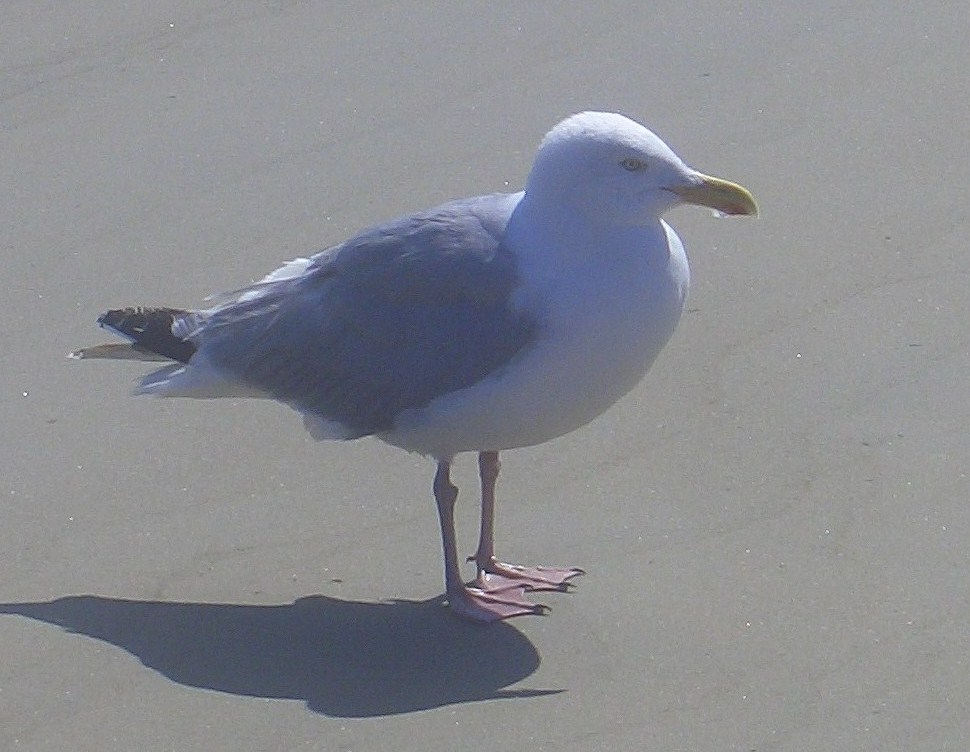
x=387 y=321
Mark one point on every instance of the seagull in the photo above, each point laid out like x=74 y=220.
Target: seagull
x=483 y=324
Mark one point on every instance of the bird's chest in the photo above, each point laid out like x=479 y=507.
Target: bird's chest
x=598 y=328
x=604 y=324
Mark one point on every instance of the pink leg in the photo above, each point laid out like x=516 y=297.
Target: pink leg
x=493 y=575
x=471 y=602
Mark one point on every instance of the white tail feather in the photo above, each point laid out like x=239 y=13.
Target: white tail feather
x=116 y=351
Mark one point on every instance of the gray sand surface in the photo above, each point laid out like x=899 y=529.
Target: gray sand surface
x=775 y=524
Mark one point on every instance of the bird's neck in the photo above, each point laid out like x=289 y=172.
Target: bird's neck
x=576 y=239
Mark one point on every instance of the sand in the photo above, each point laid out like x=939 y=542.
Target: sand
x=774 y=523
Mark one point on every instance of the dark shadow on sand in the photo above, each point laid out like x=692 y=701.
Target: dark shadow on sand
x=343 y=658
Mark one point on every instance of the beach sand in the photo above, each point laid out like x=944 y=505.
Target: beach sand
x=774 y=523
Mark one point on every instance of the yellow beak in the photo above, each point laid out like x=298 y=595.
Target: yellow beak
x=720 y=195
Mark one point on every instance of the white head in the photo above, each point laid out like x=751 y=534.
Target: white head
x=609 y=168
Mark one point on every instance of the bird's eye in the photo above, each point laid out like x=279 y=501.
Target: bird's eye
x=632 y=164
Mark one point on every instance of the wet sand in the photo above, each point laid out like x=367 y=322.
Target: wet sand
x=774 y=523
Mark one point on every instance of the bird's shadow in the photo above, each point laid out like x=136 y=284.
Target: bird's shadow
x=343 y=658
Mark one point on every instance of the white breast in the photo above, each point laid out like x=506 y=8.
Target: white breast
x=603 y=322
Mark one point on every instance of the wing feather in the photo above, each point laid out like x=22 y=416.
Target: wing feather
x=385 y=322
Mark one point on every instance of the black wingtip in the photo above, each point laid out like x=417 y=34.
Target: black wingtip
x=150 y=329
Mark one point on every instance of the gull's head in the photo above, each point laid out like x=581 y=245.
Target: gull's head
x=606 y=167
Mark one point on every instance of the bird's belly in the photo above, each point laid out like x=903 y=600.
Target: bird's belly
x=596 y=343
